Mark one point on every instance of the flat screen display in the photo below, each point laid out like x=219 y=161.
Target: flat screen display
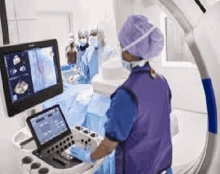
x=30 y=74
x=48 y=125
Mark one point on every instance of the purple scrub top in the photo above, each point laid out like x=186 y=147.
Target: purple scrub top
x=148 y=148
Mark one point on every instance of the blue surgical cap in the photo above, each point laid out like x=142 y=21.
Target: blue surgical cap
x=84 y=33
x=141 y=38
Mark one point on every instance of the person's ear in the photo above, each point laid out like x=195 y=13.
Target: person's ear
x=127 y=56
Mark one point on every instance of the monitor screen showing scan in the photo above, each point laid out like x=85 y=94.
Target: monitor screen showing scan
x=48 y=125
x=30 y=73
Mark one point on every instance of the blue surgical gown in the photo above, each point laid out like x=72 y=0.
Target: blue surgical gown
x=121 y=116
x=82 y=67
x=88 y=62
x=93 y=62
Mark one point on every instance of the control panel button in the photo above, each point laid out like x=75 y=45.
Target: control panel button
x=93 y=135
x=78 y=128
x=86 y=131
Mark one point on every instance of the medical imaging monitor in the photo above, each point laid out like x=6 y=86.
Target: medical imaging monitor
x=30 y=74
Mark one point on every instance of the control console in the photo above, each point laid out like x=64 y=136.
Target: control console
x=58 y=154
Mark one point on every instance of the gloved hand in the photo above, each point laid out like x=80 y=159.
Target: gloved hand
x=81 y=153
x=75 y=70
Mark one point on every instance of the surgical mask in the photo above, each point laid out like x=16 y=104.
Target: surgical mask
x=83 y=42
x=126 y=64
x=93 y=41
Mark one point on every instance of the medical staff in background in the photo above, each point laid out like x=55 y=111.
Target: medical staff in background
x=83 y=38
x=93 y=37
x=138 y=125
x=99 y=51
x=93 y=53
x=105 y=51
x=82 y=75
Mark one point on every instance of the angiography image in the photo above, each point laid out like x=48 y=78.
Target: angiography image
x=42 y=68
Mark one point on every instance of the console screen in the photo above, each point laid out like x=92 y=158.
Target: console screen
x=48 y=125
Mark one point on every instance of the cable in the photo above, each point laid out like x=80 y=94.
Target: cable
x=200 y=6
x=16 y=21
x=4 y=22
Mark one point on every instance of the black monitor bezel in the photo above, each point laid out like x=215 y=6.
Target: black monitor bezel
x=54 y=140
x=39 y=97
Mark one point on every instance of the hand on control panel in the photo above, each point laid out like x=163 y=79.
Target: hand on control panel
x=81 y=153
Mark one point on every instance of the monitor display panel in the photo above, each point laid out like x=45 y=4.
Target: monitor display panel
x=30 y=74
x=48 y=126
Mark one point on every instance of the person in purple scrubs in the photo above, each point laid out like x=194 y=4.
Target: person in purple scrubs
x=138 y=125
